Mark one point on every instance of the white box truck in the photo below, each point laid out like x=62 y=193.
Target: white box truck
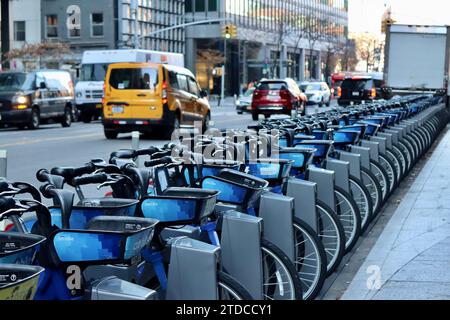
x=89 y=88
x=417 y=59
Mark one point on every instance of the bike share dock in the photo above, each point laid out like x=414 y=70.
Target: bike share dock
x=411 y=257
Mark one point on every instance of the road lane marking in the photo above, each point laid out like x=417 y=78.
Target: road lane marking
x=35 y=141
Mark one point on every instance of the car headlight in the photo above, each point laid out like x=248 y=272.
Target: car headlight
x=20 y=99
x=79 y=94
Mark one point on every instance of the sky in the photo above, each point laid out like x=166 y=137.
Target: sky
x=365 y=15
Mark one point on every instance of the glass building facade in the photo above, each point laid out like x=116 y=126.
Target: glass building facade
x=276 y=38
x=153 y=15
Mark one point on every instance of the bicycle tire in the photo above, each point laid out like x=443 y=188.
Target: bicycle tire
x=397 y=164
x=366 y=217
x=398 y=154
x=382 y=177
x=374 y=188
x=302 y=233
x=389 y=167
x=406 y=153
x=289 y=268
x=334 y=252
x=233 y=287
x=353 y=217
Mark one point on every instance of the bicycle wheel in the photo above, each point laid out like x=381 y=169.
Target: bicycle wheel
x=310 y=259
x=407 y=154
x=397 y=165
x=389 y=167
x=281 y=280
x=349 y=216
x=229 y=289
x=382 y=178
x=331 y=233
x=398 y=154
x=373 y=186
x=363 y=200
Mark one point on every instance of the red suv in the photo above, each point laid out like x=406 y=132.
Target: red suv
x=277 y=97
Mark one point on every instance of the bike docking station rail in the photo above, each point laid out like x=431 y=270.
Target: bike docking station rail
x=304 y=194
x=277 y=211
x=187 y=255
x=241 y=250
x=403 y=267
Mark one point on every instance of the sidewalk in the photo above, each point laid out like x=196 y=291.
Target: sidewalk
x=411 y=258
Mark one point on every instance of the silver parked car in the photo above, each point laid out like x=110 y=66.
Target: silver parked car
x=244 y=102
x=317 y=92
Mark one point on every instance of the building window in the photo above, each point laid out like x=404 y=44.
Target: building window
x=188 y=5
x=97 y=25
x=52 y=26
x=212 y=5
x=200 y=6
x=19 y=31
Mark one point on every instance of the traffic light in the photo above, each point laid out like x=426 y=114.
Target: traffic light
x=229 y=31
x=387 y=22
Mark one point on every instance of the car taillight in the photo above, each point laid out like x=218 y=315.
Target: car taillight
x=373 y=94
x=165 y=97
x=339 y=92
x=284 y=94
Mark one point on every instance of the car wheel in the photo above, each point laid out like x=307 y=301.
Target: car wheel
x=111 y=134
x=75 y=115
x=255 y=116
x=167 y=134
x=67 y=119
x=86 y=117
x=206 y=123
x=240 y=112
x=35 y=120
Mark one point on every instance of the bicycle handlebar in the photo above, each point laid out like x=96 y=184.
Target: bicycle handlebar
x=160 y=161
x=6 y=204
x=91 y=179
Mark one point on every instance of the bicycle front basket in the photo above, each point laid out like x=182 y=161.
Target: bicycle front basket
x=107 y=240
x=88 y=209
x=272 y=170
x=178 y=206
x=19 y=248
x=19 y=282
x=236 y=187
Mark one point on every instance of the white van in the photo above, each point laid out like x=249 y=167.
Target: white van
x=89 y=88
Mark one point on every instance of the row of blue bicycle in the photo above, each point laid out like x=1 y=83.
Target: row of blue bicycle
x=267 y=212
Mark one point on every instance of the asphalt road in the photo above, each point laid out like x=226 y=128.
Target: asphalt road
x=52 y=145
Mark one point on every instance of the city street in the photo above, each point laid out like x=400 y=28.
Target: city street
x=52 y=145
x=344 y=199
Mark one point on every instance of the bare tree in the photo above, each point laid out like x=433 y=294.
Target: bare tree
x=313 y=36
x=349 y=59
x=366 y=45
x=38 y=51
x=333 y=50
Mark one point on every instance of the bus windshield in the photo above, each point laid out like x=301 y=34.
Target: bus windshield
x=93 y=72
